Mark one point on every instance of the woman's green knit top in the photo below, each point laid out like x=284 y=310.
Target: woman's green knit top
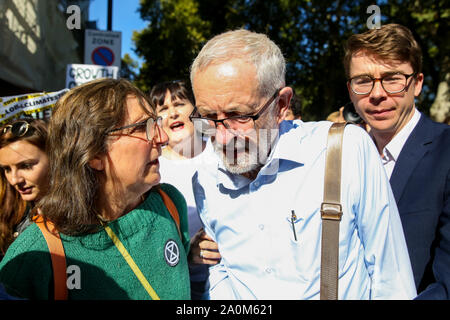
x=95 y=267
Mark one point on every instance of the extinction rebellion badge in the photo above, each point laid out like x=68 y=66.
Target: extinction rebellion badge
x=171 y=253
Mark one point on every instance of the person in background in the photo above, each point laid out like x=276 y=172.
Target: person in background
x=260 y=199
x=447 y=119
x=173 y=101
x=384 y=68
x=336 y=116
x=348 y=114
x=294 y=112
x=23 y=177
x=104 y=200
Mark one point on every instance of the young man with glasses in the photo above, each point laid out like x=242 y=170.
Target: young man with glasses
x=260 y=196
x=384 y=67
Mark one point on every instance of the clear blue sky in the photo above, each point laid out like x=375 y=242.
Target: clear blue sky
x=125 y=19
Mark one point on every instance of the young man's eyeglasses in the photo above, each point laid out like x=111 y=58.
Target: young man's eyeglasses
x=18 y=128
x=151 y=127
x=391 y=83
x=208 y=125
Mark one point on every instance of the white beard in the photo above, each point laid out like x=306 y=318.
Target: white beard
x=242 y=155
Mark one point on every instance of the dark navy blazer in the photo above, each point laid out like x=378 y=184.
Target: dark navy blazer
x=421 y=185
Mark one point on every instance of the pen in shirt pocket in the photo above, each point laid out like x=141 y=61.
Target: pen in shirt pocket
x=293 y=219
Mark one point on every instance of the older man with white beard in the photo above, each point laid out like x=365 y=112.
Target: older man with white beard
x=260 y=197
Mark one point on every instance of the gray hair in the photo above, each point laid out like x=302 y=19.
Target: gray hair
x=256 y=48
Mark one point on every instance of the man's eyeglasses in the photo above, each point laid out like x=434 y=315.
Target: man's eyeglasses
x=152 y=126
x=391 y=83
x=18 y=128
x=208 y=125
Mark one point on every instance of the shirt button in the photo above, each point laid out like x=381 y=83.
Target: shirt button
x=256 y=184
x=268 y=270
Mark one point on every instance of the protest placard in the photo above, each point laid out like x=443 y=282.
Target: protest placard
x=82 y=73
x=36 y=105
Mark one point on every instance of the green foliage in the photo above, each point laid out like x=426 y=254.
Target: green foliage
x=429 y=22
x=173 y=37
x=128 y=68
x=311 y=34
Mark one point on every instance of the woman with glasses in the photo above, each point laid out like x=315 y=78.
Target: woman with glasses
x=181 y=158
x=120 y=240
x=23 y=177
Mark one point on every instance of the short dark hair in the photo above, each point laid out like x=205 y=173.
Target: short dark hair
x=390 y=42
x=178 y=89
x=296 y=106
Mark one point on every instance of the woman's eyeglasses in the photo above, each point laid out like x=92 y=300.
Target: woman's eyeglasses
x=151 y=127
x=18 y=129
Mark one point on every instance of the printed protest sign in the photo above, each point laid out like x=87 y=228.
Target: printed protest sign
x=82 y=73
x=35 y=105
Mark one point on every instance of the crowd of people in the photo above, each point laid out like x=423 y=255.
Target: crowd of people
x=212 y=187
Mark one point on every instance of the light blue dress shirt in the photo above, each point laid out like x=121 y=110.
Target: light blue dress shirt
x=251 y=222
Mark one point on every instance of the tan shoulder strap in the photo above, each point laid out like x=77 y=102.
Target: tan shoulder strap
x=172 y=209
x=56 y=248
x=57 y=255
x=331 y=212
